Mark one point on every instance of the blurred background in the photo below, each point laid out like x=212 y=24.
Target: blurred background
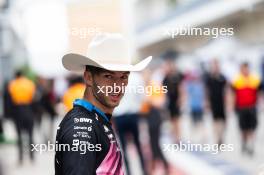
x=214 y=83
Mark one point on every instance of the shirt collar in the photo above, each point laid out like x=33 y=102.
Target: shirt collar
x=90 y=107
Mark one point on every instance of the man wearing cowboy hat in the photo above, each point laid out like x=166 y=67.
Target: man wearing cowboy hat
x=88 y=124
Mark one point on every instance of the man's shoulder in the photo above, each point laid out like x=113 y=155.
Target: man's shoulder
x=78 y=115
x=78 y=122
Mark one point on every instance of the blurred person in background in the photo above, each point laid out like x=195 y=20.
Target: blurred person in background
x=75 y=91
x=195 y=97
x=173 y=81
x=48 y=102
x=127 y=118
x=44 y=105
x=7 y=106
x=151 y=109
x=246 y=86
x=216 y=85
x=22 y=91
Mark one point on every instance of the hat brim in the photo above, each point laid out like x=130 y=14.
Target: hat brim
x=76 y=63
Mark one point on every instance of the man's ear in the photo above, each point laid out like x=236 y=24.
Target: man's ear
x=88 y=78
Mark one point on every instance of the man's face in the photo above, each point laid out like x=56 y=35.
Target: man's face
x=108 y=87
x=215 y=67
x=170 y=67
x=245 y=70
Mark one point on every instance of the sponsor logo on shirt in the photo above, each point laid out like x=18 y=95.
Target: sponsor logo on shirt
x=76 y=120
x=80 y=127
x=82 y=120
x=81 y=134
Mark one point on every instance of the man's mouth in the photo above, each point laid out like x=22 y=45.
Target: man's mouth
x=114 y=97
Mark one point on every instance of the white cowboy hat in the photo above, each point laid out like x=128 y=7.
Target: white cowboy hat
x=107 y=51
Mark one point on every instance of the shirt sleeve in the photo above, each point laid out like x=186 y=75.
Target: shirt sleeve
x=81 y=158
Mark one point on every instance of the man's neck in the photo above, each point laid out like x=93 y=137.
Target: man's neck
x=100 y=106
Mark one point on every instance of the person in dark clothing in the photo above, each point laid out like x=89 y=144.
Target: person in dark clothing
x=22 y=91
x=88 y=124
x=216 y=89
x=8 y=105
x=154 y=126
x=45 y=106
x=7 y=110
x=173 y=82
x=128 y=123
x=90 y=128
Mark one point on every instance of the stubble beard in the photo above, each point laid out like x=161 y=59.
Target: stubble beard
x=101 y=97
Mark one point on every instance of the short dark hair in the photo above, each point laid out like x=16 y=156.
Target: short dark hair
x=94 y=70
x=18 y=73
x=245 y=64
x=170 y=55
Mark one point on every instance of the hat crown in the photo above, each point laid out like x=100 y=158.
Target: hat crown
x=109 y=49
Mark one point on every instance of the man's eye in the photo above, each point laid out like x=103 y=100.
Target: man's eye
x=108 y=76
x=124 y=77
